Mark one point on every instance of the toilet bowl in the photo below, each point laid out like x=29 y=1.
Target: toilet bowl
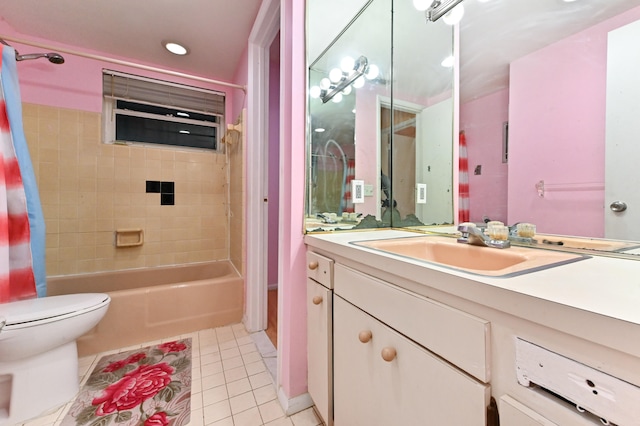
x=38 y=354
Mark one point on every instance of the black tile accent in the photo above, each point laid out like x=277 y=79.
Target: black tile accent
x=167 y=187
x=153 y=186
x=167 y=199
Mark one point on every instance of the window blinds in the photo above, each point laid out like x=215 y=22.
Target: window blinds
x=148 y=90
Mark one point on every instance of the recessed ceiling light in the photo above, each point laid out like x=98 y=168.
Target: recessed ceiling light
x=175 y=48
x=318 y=130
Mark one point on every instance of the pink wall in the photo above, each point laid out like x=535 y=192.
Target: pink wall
x=239 y=97
x=557 y=131
x=293 y=331
x=77 y=84
x=481 y=120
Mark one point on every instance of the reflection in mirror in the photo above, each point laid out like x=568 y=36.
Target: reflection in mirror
x=396 y=146
x=564 y=77
x=354 y=69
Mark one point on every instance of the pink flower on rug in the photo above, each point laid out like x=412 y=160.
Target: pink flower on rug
x=172 y=347
x=134 y=388
x=114 y=366
x=158 y=419
x=135 y=358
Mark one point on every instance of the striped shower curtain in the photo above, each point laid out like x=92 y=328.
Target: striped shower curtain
x=347 y=201
x=463 y=188
x=22 y=231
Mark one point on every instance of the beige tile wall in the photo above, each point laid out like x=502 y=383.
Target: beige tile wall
x=89 y=189
x=237 y=206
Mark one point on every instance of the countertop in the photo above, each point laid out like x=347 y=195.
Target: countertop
x=599 y=288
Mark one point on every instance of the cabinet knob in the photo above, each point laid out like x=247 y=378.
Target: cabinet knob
x=313 y=265
x=365 y=336
x=389 y=354
x=317 y=300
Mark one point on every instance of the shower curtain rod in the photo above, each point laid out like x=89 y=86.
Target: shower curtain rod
x=125 y=63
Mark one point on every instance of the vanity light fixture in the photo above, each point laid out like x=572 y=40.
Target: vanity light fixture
x=175 y=48
x=439 y=8
x=340 y=80
x=422 y=5
x=454 y=16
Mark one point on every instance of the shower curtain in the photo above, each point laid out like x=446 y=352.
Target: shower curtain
x=463 y=188
x=347 y=200
x=22 y=229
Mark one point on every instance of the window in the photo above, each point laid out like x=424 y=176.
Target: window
x=148 y=111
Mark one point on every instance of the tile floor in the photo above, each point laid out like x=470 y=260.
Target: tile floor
x=233 y=381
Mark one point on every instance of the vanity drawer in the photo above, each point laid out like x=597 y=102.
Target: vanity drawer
x=458 y=337
x=320 y=269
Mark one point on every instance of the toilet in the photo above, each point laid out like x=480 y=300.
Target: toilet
x=38 y=354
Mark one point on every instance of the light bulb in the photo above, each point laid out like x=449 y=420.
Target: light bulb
x=337 y=98
x=359 y=82
x=325 y=83
x=346 y=90
x=347 y=64
x=454 y=16
x=422 y=4
x=448 y=62
x=335 y=75
x=372 y=72
x=315 y=91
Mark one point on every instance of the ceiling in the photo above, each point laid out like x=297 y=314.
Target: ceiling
x=494 y=33
x=215 y=31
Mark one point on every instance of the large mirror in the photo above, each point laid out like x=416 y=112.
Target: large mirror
x=550 y=95
x=381 y=114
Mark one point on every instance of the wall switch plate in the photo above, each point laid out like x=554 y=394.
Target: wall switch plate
x=421 y=193
x=368 y=190
x=357 y=191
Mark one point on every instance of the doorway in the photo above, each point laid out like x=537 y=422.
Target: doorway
x=273 y=179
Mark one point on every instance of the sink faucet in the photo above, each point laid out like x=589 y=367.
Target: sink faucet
x=474 y=236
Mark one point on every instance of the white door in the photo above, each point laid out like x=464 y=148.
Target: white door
x=622 y=152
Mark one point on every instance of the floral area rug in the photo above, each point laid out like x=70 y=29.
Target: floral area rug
x=149 y=386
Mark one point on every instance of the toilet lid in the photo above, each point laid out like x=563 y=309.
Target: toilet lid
x=24 y=311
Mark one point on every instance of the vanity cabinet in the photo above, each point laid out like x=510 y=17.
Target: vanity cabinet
x=383 y=378
x=385 y=368
x=320 y=334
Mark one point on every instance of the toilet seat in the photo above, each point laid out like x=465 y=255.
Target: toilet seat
x=30 y=312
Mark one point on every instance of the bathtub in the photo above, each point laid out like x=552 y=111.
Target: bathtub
x=155 y=303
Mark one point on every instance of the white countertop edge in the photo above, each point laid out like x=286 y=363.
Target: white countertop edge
x=602 y=285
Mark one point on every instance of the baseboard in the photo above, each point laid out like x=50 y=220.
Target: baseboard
x=295 y=404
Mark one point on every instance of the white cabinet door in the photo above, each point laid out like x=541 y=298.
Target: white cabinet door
x=319 y=348
x=413 y=387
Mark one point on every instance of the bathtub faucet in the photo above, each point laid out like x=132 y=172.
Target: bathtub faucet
x=475 y=236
